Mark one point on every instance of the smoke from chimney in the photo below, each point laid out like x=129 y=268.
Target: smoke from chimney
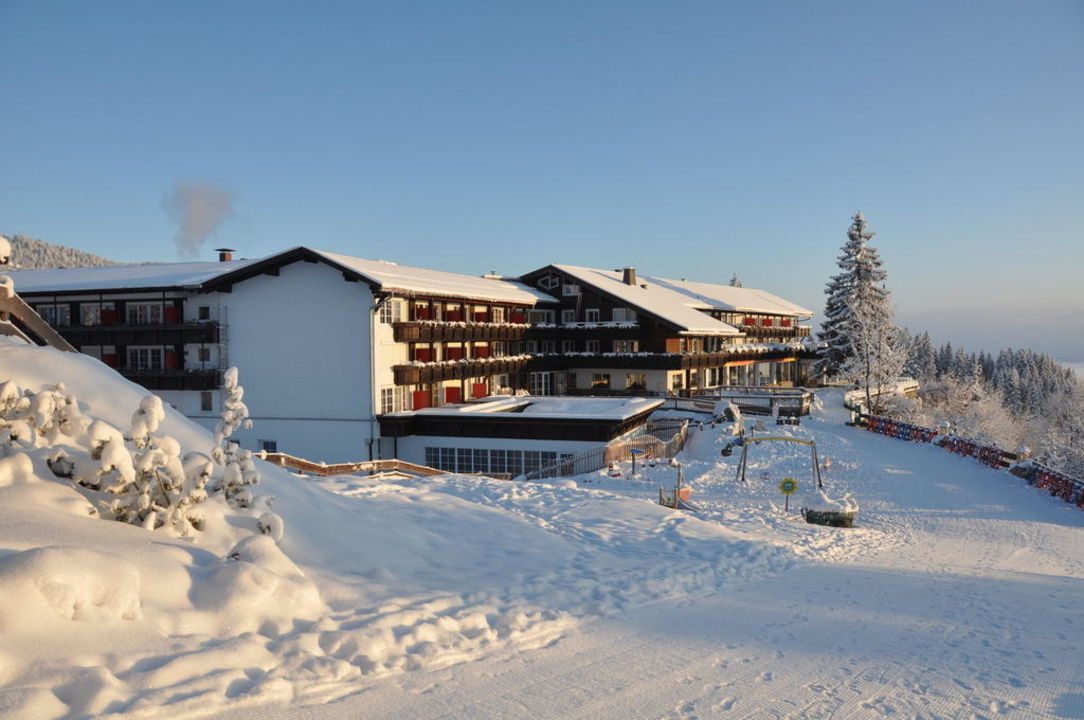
x=198 y=208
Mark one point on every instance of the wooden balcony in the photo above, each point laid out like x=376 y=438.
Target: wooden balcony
x=463 y=370
x=165 y=379
x=600 y=332
x=453 y=332
x=789 y=333
x=158 y=334
x=660 y=361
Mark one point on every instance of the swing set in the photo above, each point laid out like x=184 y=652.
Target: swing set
x=778 y=438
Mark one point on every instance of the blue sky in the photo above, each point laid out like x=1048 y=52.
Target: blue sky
x=691 y=139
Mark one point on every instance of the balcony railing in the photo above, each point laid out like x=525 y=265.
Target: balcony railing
x=668 y=361
x=433 y=331
x=421 y=374
x=157 y=334
x=799 y=331
x=167 y=379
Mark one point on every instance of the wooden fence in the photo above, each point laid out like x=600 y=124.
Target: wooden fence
x=1058 y=484
x=370 y=467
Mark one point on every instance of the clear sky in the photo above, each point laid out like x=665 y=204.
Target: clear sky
x=687 y=139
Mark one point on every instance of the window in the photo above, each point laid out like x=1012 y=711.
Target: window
x=624 y=315
x=570 y=379
x=500 y=349
x=95 y=351
x=568 y=346
x=549 y=282
x=390 y=311
x=55 y=315
x=600 y=381
x=91 y=313
x=205 y=354
x=590 y=315
x=540 y=316
x=204 y=312
x=568 y=316
x=145 y=358
x=206 y=401
x=677 y=382
x=569 y=289
x=636 y=381
x=549 y=346
x=540 y=383
x=496 y=315
x=532 y=347
x=268 y=445
x=626 y=346
x=144 y=313
x=394 y=399
x=592 y=346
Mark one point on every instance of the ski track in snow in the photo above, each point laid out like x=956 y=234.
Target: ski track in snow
x=956 y=596
x=935 y=607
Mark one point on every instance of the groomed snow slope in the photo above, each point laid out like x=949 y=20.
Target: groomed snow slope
x=958 y=596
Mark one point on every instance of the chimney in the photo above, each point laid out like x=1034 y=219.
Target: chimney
x=628 y=275
x=224 y=254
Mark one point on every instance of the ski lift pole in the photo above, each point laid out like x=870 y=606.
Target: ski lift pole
x=816 y=465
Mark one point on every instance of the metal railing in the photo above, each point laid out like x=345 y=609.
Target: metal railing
x=370 y=467
x=662 y=438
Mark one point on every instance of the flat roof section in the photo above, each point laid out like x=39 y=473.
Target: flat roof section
x=527 y=417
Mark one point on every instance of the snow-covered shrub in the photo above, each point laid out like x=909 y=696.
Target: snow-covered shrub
x=238 y=468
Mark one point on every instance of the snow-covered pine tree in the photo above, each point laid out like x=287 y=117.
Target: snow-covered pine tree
x=863 y=343
x=855 y=260
x=238 y=470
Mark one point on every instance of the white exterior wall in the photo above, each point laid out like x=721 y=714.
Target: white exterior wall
x=301 y=341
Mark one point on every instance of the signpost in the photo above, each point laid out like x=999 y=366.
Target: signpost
x=634 y=452
x=788 y=486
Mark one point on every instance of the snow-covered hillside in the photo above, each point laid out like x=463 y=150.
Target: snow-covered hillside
x=32 y=254
x=956 y=596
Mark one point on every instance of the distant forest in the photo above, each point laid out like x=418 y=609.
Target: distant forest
x=29 y=253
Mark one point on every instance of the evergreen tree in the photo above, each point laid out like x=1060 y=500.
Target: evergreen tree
x=863 y=341
x=841 y=292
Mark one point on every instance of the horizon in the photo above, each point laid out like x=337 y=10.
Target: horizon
x=694 y=142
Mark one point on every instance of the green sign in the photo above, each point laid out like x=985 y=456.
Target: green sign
x=788 y=486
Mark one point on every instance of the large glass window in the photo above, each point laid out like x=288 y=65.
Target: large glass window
x=55 y=315
x=144 y=313
x=145 y=358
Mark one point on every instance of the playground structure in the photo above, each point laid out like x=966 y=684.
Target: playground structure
x=750 y=441
x=678 y=498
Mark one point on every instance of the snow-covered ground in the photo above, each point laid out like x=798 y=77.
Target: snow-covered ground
x=957 y=595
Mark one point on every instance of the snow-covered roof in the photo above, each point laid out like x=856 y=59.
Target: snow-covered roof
x=122 y=277
x=546 y=406
x=736 y=299
x=386 y=275
x=674 y=307
x=406 y=278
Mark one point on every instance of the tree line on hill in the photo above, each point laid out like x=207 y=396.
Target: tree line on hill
x=29 y=253
x=1016 y=398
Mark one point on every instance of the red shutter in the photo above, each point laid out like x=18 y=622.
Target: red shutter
x=481 y=351
x=785 y=322
x=453 y=395
x=421 y=399
x=110 y=359
x=750 y=321
x=518 y=318
x=109 y=317
x=766 y=322
x=482 y=316
x=479 y=390
x=423 y=354
x=453 y=353
x=172 y=316
x=454 y=315
x=171 y=361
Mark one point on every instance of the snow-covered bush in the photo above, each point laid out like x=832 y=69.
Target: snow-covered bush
x=142 y=477
x=238 y=469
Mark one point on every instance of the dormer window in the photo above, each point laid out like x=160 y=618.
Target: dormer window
x=569 y=289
